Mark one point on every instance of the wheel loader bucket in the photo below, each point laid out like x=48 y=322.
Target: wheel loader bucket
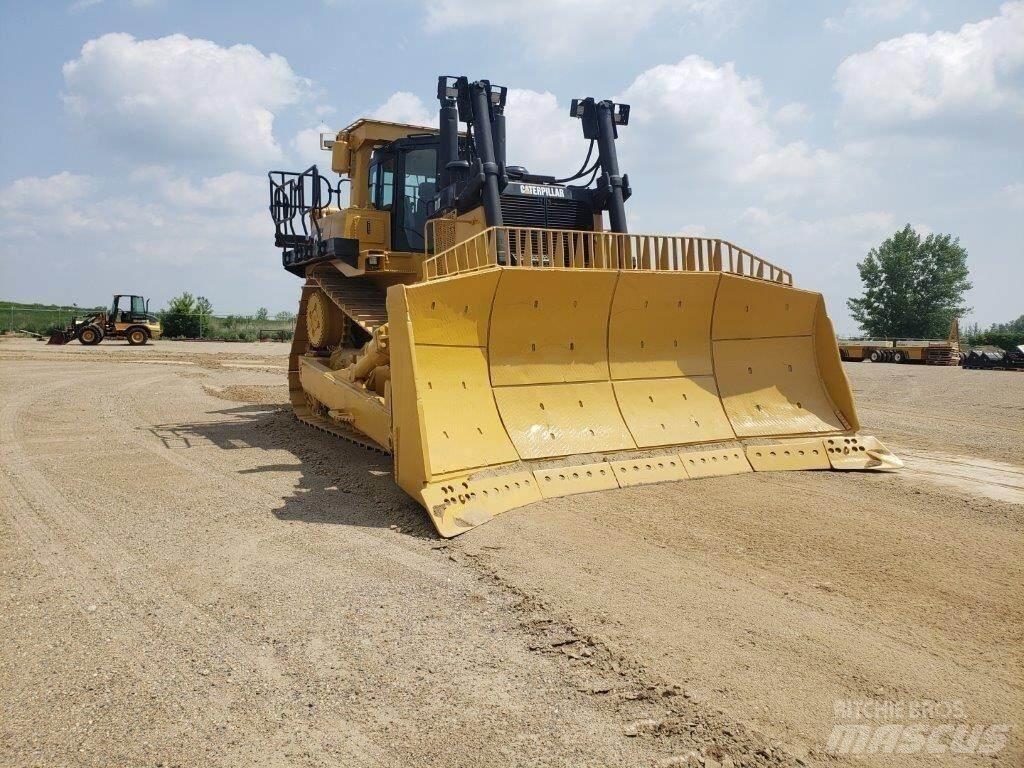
x=59 y=337
x=514 y=384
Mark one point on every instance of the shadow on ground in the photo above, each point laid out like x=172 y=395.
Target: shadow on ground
x=339 y=482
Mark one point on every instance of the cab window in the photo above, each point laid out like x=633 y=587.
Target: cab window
x=419 y=182
x=384 y=184
x=138 y=305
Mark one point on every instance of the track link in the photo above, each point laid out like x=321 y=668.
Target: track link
x=304 y=414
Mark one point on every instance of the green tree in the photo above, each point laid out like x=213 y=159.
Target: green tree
x=181 y=318
x=1014 y=326
x=205 y=311
x=262 y=313
x=913 y=288
x=1008 y=336
x=285 y=316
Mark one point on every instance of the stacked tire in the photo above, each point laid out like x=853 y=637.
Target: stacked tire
x=979 y=359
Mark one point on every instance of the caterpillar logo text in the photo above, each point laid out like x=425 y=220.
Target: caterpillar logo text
x=543 y=191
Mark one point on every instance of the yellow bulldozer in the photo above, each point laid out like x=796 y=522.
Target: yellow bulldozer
x=504 y=337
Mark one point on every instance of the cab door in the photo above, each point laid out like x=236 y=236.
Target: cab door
x=138 y=313
x=417 y=183
x=372 y=226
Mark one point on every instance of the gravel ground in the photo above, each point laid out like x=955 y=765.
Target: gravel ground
x=190 y=577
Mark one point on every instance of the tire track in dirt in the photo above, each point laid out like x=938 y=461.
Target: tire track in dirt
x=19 y=481
x=969 y=475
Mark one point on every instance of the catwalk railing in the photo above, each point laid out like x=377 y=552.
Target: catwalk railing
x=532 y=248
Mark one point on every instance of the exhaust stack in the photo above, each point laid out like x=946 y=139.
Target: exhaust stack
x=479 y=162
x=448 y=160
x=600 y=121
x=483 y=100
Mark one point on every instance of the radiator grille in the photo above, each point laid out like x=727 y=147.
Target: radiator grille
x=545 y=212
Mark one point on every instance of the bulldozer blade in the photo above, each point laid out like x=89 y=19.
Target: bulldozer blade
x=511 y=385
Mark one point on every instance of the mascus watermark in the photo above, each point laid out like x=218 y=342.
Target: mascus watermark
x=915 y=726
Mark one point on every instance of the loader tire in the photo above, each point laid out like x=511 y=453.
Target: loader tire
x=137 y=336
x=90 y=335
x=875 y=356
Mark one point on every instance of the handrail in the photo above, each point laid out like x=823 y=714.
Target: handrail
x=535 y=248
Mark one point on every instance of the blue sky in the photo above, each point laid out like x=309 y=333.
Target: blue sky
x=137 y=133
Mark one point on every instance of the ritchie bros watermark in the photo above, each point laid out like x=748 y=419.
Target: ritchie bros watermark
x=913 y=726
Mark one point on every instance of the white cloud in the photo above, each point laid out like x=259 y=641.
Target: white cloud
x=35 y=193
x=968 y=75
x=792 y=113
x=155 y=230
x=694 y=102
x=696 y=115
x=233 y=191
x=181 y=99
x=153 y=203
x=405 y=107
x=552 y=26
x=872 y=12
x=530 y=115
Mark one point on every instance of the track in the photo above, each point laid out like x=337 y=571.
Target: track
x=363 y=304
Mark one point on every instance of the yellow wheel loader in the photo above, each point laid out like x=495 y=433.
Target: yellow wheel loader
x=129 y=319
x=503 y=336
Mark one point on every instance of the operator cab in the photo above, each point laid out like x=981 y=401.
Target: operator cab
x=403 y=180
x=133 y=309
